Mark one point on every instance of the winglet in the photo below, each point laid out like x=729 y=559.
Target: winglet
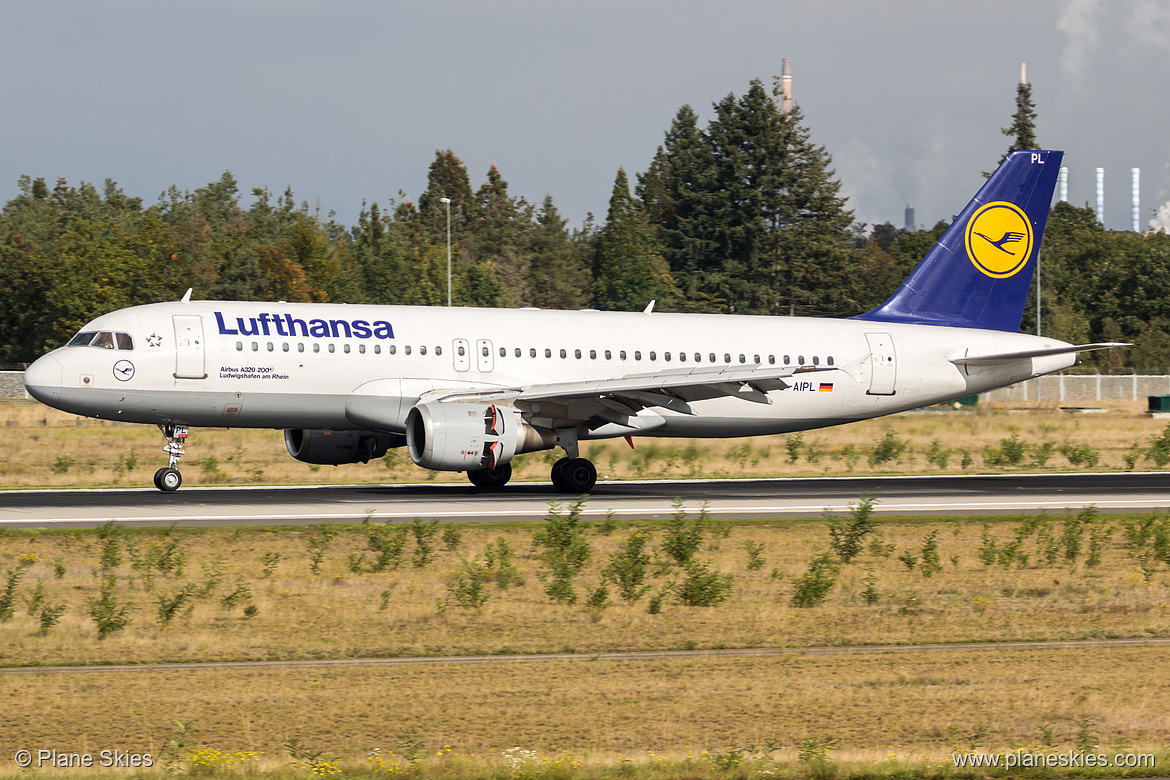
x=649 y=308
x=979 y=273
x=187 y=295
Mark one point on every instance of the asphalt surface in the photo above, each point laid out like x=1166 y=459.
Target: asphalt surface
x=454 y=502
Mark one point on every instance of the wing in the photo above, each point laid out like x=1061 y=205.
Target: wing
x=598 y=402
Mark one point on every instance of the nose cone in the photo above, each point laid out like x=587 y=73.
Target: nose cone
x=43 y=380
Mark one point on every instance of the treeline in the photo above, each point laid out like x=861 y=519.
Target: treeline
x=743 y=215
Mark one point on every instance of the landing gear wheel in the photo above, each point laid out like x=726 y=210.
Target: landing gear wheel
x=558 y=471
x=168 y=479
x=574 y=475
x=491 y=478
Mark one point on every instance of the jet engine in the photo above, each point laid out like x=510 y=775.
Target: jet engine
x=332 y=448
x=468 y=437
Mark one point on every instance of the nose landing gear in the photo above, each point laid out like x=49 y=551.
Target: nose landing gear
x=168 y=479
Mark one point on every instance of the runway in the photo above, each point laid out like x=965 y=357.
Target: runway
x=755 y=498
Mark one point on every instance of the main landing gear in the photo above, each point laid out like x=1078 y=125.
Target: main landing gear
x=168 y=479
x=491 y=478
x=574 y=475
x=569 y=475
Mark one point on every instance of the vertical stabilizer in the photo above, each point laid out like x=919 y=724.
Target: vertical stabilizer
x=979 y=273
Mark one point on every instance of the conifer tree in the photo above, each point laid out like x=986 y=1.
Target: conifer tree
x=1023 y=127
x=630 y=272
x=558 y=272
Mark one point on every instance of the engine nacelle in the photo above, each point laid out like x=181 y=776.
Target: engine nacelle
x=332 y=448
x=467 y=437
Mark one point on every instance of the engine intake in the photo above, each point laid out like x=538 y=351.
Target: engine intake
x=332 y=448
x=468 y=437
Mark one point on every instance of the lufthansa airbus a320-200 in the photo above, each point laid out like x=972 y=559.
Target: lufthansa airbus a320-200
x=467 y=389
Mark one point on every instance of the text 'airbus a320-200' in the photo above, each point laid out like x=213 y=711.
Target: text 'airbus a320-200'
x=466 y=389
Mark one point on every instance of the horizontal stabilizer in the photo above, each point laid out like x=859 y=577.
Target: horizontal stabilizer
x=1007 y=357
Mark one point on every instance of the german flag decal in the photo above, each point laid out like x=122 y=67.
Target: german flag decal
x=826 y=387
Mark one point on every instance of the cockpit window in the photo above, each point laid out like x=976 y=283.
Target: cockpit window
x=103 y=339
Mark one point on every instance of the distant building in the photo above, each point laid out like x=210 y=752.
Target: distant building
x=909 y=217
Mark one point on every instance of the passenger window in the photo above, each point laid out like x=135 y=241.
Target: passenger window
x=483 y=352
x=255 y=346
x=239 y=346
x=711 y=357
x=756 y=359
x=301 y=347
x=666 y=356
x=564 y=354
x=577 y=354
x=637 y=354
x=392 y=349
x=653 y=355
x=462 y=351
x=608 y=355
x=518 y=352
x=377 y=349
x=787 y=360
x=682 y=356
x=698 y=358
x=284 y=346
x=816 y=360
x=622 y=355
x=332 y=347
x=800 y=360
x=726 y=358
x=743 y=358
x=503 y=352
x=361 y=349
x=316 y=347
x=406 y=350
x=532 y=352
x=771 y=360
x=829 y=360
x=422 y=350
x=124 y=341
x=593 y=354
x=438 y=351
x=345 y=348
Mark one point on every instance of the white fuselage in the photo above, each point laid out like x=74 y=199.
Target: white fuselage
x=289 y=365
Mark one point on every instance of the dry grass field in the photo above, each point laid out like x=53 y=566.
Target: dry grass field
x=40 y=447
x=922 y=580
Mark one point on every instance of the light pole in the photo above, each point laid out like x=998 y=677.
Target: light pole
x=447 y=202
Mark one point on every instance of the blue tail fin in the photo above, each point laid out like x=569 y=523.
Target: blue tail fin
x=979 y=273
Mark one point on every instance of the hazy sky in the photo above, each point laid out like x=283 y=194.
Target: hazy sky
x=347 y=100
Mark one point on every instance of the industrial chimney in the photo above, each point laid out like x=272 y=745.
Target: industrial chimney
x=1136 y=174
x=1101 y=195
x=786 y=85
x=1062 y=184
